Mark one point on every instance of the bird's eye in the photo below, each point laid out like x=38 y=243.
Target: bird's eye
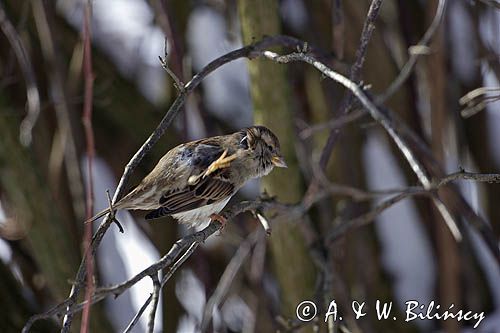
x=270 y=147
x=244 y=142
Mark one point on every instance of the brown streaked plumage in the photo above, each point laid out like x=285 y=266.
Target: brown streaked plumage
x=194 y=181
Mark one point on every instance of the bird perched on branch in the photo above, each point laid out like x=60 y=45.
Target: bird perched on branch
x=194 y=181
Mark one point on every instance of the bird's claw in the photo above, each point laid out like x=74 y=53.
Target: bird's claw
x=219 y=218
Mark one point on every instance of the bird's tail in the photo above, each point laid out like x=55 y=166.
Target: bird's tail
x=98 y=215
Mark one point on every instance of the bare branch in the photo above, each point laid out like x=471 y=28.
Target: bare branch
x=366 y=35
x=378 y=115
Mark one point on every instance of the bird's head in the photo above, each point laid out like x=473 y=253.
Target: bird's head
x=265 y=148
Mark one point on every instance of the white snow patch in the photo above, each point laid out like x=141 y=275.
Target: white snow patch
x=406 y=251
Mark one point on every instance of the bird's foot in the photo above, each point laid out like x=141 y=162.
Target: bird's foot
x=219 y=218
x=221 y=163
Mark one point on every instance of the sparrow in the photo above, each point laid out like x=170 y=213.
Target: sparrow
x=194 y=181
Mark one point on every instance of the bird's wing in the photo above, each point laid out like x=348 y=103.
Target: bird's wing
x=206 y=190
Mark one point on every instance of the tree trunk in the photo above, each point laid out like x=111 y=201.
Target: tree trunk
x=270 y=95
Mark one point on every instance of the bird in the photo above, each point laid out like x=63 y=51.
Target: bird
x=194 y=181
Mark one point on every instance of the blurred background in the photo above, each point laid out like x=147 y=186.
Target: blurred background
x=406 y=254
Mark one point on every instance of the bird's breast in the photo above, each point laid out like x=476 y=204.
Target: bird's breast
x=200 y=217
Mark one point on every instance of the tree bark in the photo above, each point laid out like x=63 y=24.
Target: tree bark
x=270 y=95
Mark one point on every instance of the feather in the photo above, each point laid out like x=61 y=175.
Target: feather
x=207 y=190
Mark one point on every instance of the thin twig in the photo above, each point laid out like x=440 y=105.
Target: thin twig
x=477 y=99
x=408 y=67
x=179 y=262
x=354 y=75
x=25 y=63
x=345 y=106
x=62 y=107
x=346 y=102
x=89 y=138
x=154 y=306
x=138 y=315
x=164 y=64
x=162 y=15
x=334 y=123
x=364 y=219
x=366 y=35
x=343 y=227
x=227 y=278
x=464 y=175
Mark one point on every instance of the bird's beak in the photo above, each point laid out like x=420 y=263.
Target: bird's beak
x=279 y=162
